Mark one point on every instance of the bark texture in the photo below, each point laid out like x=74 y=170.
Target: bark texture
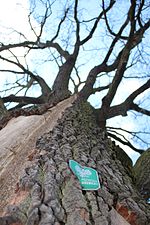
x=48 y=193
x=18 y=145
x=142 y=174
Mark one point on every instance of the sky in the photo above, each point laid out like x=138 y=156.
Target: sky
x=16 y=16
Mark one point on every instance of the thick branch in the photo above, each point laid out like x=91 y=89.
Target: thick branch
x=120 y=63
x=134 y=40
x=107 y=100
x=87 y=90
x=62 y=52
x=3 y=109
x=123 y=60
x=128 y=104
x=22 y=99
x=62 y=79
x=37 y=45
x=137 y=92
x=77 y=21
x=27 y=44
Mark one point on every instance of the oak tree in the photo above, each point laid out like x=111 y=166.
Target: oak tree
x=87 y=49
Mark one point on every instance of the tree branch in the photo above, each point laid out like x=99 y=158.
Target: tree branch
x=49 y=44
x=99 y=89
x=112 y=2
x=134 y=40
x=136 y=108
x=110 y=30
x=128 y=104
x=36 y=45
x=77 y=22
x=59 y=25
x=134 y=134
x=139 y=13
x=44 y=87
x=22 y=99
x=140 y=151
x=43 y=23
x=137 y=92
x=27 y=44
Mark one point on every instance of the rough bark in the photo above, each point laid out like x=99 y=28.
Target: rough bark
x=3 y=109
x=142 y=172
x=48 y=192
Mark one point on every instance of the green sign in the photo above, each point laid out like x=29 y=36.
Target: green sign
x=87 y=176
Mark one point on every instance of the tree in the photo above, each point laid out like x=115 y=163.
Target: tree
x=123 y=42
x=82 y=132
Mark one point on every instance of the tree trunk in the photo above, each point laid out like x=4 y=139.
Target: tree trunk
x=48 y=192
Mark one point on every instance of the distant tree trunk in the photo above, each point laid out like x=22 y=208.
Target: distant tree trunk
x=52 y=195
x=142 y=171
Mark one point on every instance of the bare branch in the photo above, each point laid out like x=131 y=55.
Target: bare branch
x=12 y=71
x=77 y=22
x=117 y=35
x=134 y=134
x=136 y=108
x=139 y=13
x=44 y=87
x=49 y=44
x=123 y=60
x=59 y=25
x=27 y=44
x=112 y=2
x=137 y=92
x=99 y=89
x=128 y=104
x=140 y=151
x=22 y=99
x=43 y=23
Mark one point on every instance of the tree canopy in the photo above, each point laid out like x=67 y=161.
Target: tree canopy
x=94 y=50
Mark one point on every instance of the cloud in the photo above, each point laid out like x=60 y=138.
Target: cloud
x=14 y=21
